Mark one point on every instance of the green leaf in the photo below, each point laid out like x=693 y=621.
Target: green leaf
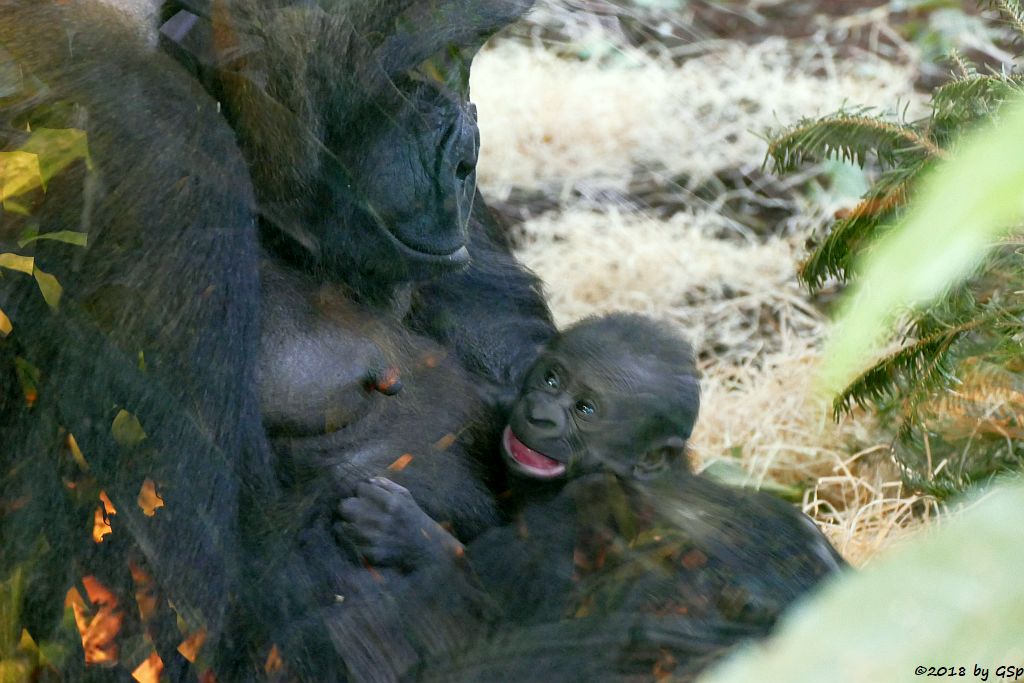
x=69 y=236
x=127 y=429
x=731 y=473
x=952 y=597
x=847 y=136
x=965 y=204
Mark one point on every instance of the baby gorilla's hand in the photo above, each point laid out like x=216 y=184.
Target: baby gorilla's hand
x=389 y=529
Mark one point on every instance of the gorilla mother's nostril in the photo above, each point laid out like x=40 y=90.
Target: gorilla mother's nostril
x=464 y=170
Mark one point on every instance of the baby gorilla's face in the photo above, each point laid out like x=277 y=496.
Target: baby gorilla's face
x=581 y=413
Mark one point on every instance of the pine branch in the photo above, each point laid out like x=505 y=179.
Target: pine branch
x=968 y=99
x=964 y=68
x=846 y=237
x=1012 y=10
x=925 y=362
x=834 y=257
x=849 y=137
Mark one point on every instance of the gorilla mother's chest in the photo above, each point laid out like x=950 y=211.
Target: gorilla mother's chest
x=326 y=362
x=329 y=365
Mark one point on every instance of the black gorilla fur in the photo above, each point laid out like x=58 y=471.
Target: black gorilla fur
x=279 y=203
x=605 y=523
x=251 y=201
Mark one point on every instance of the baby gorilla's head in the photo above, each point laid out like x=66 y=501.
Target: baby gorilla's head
x=617 y=393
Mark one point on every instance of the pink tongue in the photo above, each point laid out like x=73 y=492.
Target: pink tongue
x=529 y=457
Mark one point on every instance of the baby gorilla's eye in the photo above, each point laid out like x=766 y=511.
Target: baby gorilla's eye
x=551 y=379
x=586 y=408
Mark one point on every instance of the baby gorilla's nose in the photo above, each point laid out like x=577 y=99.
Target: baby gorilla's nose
x=544 y=414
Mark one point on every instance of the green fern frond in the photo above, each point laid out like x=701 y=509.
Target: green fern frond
x=849 y=137
x=925 y=362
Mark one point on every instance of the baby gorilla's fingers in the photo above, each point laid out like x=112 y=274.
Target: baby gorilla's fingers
x=387 y=485
x=379 y=520
x=388 y=528
x=374 y=545
x=385 y=493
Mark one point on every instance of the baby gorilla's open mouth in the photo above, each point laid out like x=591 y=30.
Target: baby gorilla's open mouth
x=528 y=461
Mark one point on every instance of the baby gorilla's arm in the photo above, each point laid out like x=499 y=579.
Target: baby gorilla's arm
x=389 y=528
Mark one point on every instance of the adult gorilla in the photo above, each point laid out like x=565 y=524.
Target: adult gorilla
x=273 y=207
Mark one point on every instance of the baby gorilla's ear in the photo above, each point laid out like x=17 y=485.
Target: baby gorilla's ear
x=662 y=456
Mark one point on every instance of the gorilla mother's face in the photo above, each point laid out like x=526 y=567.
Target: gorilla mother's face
x=413 y=172
x=356 y=123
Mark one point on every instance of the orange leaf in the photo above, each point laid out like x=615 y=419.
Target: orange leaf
x=401 y=463
x=99 y=631
x=149 y=500
x=145 y=591
x=664 y=666
x=190 y=647
x=694 y=559
x=444 y=442
x=101 y=519
x=111 y=510
x=274 y=662
x=149 y=671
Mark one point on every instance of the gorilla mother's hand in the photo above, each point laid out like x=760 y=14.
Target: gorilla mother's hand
x=389 y=529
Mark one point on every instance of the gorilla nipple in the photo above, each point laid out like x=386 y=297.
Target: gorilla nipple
x=385 y=381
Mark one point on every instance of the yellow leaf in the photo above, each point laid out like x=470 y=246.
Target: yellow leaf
x=5 y=324
x=19 y=173
x=127 y=429
x=56 y=148
x=76 y=453
x=49 y=287
x=22 y=264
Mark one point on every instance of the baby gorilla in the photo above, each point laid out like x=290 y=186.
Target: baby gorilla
x=616 y=394
x=603 y=514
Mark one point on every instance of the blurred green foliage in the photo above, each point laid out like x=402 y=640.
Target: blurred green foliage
x=939 y=302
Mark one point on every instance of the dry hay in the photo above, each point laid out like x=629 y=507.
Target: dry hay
x=579 y=130
x=781 y=430
x=733 y=299
x=549 y=121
